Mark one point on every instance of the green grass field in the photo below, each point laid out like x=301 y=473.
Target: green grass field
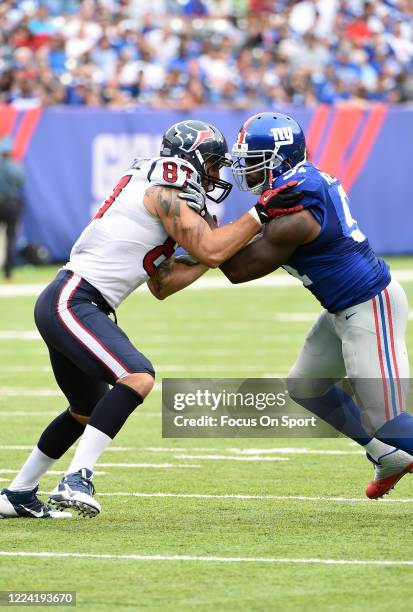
x=273 y=542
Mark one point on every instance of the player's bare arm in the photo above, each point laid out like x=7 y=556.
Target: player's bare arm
x=172 y=276
x=273 y=248
x=189 y=230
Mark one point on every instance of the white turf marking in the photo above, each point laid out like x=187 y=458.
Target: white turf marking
x=213 y=282
x=226 y=458
x=52 y=472
x=159 y=466
x=209 y=559
x=34 y=413
x=21 y=290
x=295 y=317
x=305 y=498
x=25 y=369
x=159 y=368
x=25 y=413
x=282 y=317
x=30 y=392
x=46 y=391
x=19 y=335
x=292 y=451
x=206 y=368
x=27 y=447
x=253 y=451
x=240 y=451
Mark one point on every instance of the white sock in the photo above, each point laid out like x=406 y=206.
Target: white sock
x=92 y=444
x=29 y=476
x=377 y=449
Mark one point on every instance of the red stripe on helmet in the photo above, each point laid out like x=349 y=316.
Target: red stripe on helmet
x=242 y=134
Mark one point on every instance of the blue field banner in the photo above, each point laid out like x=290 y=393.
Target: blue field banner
x=75 y=156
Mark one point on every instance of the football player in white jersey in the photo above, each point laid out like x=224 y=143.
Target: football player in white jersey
x=130 y=241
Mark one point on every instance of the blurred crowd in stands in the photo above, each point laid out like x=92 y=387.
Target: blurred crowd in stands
x=182 y=54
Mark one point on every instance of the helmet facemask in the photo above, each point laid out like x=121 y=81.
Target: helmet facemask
x=214 y=183
x=267 y=161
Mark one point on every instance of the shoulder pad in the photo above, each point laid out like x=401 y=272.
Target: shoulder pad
x=171 y=171
x=309 y=177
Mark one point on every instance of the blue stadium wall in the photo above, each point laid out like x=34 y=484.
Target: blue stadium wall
x=75 y=156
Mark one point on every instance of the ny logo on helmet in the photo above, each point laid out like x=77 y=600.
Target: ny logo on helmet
x=191 y=138
x=283 y=135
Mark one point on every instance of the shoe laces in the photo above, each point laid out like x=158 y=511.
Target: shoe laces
x=82 y=482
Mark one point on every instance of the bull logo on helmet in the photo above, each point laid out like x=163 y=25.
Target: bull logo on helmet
x=191 y=138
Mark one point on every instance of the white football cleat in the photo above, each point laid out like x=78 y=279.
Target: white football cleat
x=76 y=491
x=26 y=504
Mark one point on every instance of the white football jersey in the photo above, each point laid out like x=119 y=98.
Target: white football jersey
x=124 y=243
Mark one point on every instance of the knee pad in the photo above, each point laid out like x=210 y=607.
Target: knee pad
x=305 y=388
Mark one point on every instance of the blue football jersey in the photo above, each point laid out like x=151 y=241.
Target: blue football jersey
x=339 y=267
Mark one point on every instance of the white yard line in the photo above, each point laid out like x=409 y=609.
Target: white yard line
x=283 y=317
x=295 y=317
x=253 y=451
x=25 y=369
x=30 y=392
x=46 y=391
x=209 y=559
x=37 y=413
x=7 y=414
x=228 y=458
x=52 y=472
x=27 y=447
x=158 y=466
x=208 y=282
x=241 y=497
x=19 y=335
x=241 y=451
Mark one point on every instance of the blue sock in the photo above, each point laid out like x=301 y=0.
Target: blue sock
x=338 y=409
x=398 y=432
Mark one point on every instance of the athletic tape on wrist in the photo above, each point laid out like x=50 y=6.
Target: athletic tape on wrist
x=253 y=212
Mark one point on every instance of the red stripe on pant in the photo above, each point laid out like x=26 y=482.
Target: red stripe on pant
x=87 y=331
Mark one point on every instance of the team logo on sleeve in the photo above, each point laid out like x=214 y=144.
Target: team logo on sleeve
x=191 y=138
x=283 y=135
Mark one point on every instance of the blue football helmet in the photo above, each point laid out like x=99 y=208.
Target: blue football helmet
x=275 y=142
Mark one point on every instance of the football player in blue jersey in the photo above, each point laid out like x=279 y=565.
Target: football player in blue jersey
x=361 y=332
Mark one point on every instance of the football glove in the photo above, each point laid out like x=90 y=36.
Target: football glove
x=278 y=202
x=195 y=196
